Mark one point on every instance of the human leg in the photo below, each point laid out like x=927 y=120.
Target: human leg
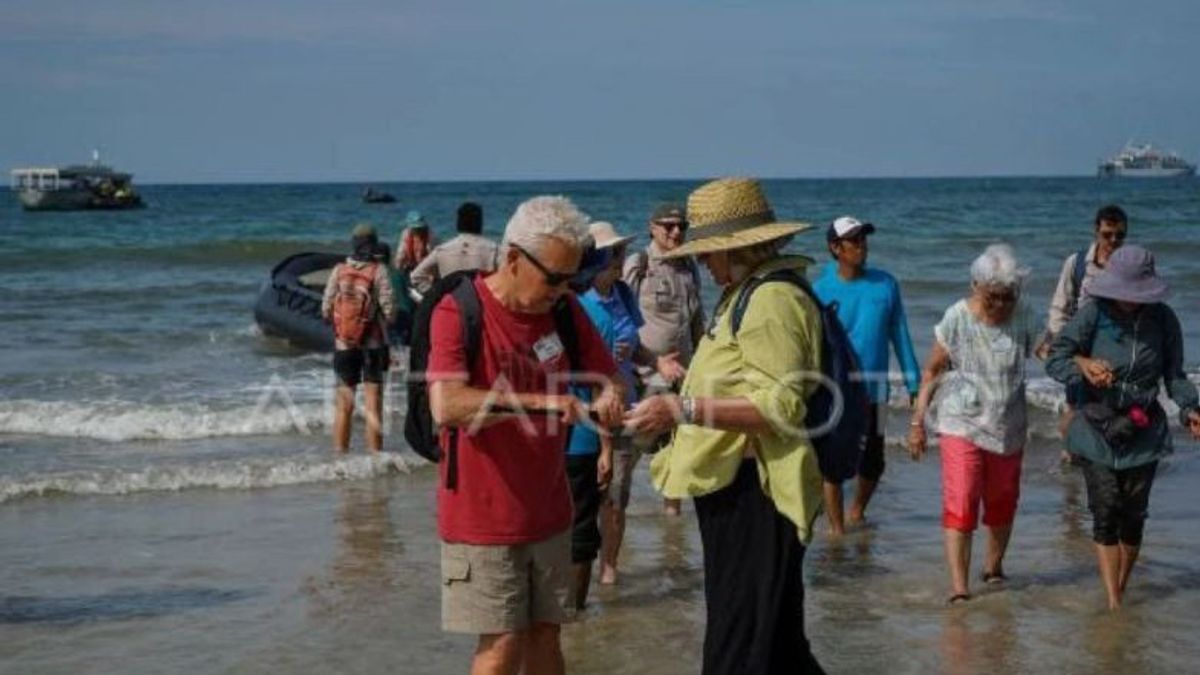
x=753 y=582
x=374 y=369
x=585 y=532
x=962 y=487
x=1001 y=491
x=1135 y=484
x=347 y=368
x=612 y=516
x=870 y=469
x=832 y=493
x=1104 y=501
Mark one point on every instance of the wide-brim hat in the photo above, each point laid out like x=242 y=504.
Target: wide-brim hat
x=1129 y=276
x=728 y=214
x=415 y=219
x=605 y=235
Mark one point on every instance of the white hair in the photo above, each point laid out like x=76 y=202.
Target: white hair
x=998 y=267
x=547 y=217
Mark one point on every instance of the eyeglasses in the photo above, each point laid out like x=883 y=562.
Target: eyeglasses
x=1000 y=297
x=681 y=225
x=1113 y=235
x=552 y=278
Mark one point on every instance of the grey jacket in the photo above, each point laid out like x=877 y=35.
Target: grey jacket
x=1144 y=350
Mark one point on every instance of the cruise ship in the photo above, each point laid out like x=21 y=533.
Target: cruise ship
x=1142 y=160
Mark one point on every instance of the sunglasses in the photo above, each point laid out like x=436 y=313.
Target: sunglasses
x=680 y=225
x=552 y=278
x=1115 y=235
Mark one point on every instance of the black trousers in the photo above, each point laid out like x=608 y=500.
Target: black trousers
x=586 y=497
x=1118 y=500
x=753 y=583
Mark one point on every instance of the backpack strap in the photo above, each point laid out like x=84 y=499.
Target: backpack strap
x=742 y=302
x=470 y=318
x=1077 y=274
x=641 y=264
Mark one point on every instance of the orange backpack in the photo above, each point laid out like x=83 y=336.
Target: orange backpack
x=354 y=303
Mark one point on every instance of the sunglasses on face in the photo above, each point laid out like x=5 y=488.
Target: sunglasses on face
x=1113 y=235
x=680 y=225
x=552 y=278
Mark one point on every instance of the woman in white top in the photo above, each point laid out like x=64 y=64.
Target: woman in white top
x=977 y=369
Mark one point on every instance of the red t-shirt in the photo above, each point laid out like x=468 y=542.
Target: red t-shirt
x=512 y=481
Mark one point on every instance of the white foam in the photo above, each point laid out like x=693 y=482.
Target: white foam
x=123 y=420
x=237 y=475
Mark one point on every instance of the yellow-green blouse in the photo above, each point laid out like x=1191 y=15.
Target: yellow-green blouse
x=779 y=340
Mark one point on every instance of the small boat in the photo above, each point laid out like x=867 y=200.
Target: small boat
x=289 y=303
x=373 y=196
x=75 y=188
x=1143 y=160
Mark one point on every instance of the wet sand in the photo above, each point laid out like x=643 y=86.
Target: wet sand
x=343 y=577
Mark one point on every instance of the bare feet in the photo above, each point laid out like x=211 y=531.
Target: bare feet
x=608 y=574
x=671 y=507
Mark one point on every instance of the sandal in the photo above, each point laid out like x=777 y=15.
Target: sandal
x=957 y=598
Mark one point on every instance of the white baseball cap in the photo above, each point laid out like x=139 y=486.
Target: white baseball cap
x=847 y=226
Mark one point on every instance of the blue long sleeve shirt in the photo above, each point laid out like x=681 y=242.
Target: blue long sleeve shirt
x=872 y=313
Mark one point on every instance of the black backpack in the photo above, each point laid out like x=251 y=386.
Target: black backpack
x=419 y=428
x=837 y=428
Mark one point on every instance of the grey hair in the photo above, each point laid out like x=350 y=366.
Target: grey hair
x=998 y=267
x=546 y=217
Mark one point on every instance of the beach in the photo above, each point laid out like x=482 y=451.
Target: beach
x=169 y=502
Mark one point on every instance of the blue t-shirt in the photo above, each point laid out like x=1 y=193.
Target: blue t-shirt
x=617 y=318
x=872 y=313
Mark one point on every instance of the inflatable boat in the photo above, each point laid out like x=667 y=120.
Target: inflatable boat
x=289 y=305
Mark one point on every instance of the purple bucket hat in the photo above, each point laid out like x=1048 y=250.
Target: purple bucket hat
x=1129 y=277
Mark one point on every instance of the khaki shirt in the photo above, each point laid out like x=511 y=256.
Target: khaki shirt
x=464 y=252
x=779 y=341
x=669 y=296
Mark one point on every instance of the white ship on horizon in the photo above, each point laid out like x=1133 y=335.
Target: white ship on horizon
x=1143 y=160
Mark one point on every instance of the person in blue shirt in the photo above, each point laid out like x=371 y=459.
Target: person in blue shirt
x=870 y=309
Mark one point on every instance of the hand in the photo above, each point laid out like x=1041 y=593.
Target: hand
x=1097 y=372
x=654 y=415
x=604 y=470
x=1042 y=352
x=1194 y=423
x=622 y=352
x=669 y=367
x=917 y=440
x=609 y=407
x=570 y=409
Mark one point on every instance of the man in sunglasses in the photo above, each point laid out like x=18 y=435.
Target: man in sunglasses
x=505 y=521
x=668 y=293
x=1079 y=269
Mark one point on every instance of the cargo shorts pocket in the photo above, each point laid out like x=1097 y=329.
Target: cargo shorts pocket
x=455 y=569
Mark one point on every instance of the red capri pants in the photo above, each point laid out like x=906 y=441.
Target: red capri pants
x=971 y=474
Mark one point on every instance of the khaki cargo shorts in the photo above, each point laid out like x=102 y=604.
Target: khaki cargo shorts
x=502 y=589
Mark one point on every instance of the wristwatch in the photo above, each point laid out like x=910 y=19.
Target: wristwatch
x=687 y=406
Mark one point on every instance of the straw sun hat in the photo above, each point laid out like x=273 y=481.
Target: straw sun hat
x=731 y=213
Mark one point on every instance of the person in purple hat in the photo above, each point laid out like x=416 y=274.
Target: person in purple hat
x=1114 y=353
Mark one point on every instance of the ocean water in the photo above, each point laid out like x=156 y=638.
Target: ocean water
x=168 y=500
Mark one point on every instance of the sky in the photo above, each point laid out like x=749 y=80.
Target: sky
x=297 y=90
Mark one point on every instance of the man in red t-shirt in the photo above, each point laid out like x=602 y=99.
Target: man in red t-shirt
x=505 y=526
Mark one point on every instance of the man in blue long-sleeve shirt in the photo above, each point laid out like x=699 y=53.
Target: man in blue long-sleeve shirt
x=870 y=309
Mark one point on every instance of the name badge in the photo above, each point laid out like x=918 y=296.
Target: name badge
x=548 y=348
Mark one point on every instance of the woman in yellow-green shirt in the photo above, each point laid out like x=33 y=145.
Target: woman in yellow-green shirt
x=739 y=447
